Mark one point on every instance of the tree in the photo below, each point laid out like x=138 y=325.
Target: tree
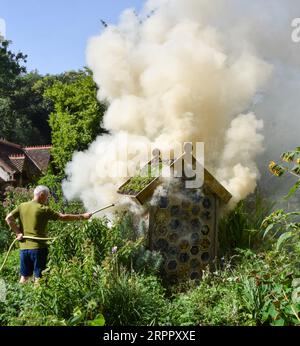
x=24 y=114
x=13 y=125
x=28 y=103
x=11 y=67
x=77 y=116
x=28 y=99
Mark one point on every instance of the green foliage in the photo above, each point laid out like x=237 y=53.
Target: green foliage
x=74 y=238
x=135 y=185
x=24 y=114
x=29 y=103
x=81 y=285
x=292 y=158
x=132 y=299
x=267 y=288
x=11 y=269
x=28 y=99
x=6 y=236
x=255 y=290
x=144 y=260
x=240 y=227
x=77 y=116
x=86 y=287
x=12 y=198
x=17 y=297
x=11 y=66
x=284 y=228
x=14 y=125
x=101 y=272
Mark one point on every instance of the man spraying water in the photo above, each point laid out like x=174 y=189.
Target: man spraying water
x=33 y=218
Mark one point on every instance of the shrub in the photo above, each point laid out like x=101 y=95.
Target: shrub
x=13 y=196
x=6 y=235
x=255 y=289
x=132 y=299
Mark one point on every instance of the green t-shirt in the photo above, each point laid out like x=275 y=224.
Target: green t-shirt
x=33 y=218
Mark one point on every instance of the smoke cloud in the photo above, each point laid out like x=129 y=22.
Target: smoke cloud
x=196 y=71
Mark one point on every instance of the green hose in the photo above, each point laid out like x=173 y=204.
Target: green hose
x=24 y=237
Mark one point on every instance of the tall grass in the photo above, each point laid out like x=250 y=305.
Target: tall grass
x=240 y=228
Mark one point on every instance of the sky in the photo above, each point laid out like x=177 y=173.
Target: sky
x=54 y=33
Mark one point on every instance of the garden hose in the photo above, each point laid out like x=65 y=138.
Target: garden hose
x=24 y=237
x=103 y=208
x=38 y=238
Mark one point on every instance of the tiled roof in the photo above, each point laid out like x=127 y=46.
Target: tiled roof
x=10 y=144
x=14 y=158
x=7 y=165
x=40 y=155
x=8 y=148
x=18 y=161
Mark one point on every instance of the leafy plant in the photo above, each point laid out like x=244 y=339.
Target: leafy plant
x=240 y=228
x=13 y=196
x=283 y=227
x=77 y=116
x=137 y=183
x=290 y=158
x=132 y=299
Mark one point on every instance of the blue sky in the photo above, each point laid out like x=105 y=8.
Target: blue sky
x=54 y=33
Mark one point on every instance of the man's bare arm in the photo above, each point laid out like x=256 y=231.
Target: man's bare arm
x=10 y=220
x=74 y=217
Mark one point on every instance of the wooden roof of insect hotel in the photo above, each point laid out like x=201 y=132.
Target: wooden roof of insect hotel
x=141 y=186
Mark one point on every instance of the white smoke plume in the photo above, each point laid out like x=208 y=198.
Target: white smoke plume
x=190 y=70
x=238 y=171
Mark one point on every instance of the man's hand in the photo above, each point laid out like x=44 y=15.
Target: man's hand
x=19 y=236
x=86 y=216
x=10 y=220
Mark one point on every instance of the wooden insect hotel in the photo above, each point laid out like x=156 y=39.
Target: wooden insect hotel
x=182 y=222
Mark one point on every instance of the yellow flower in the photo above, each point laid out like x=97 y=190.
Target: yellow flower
x=287 y=159
x=275 y=169
x=288 y=156
x=272 y=164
